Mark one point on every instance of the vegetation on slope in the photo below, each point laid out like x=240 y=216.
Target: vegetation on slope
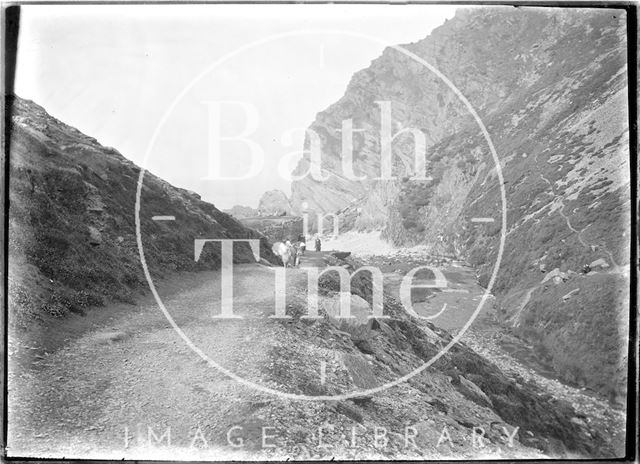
x=72 y=241
x=550 y=86
x=560 y=327
x=403 y=343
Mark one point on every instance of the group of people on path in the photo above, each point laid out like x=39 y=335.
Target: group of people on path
x=290 y=253
x=302 y=243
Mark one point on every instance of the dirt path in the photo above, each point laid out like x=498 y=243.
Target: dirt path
x=131 y=383
x=313 y=259
x=578 y=233
x=135 y=372
x=561 y=211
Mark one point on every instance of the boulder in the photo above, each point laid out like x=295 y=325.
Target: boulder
x=95 y=204
x=601 y=263
x=556 y=275
x=341 y=254
x=358 y=326
x=95 y=237
x=360 y=309
x=194 y=194
x=473 y=392
x=360 y=371
x=274 y=203
x=570 y=294
x=110 y=336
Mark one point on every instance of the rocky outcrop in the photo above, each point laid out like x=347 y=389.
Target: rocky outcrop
x=524 y=74
x=71 y=221
x=274 y=203
x=550 y=86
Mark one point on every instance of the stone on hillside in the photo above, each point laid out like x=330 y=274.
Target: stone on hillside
x=341 y=254
x=360 y=309
x=358 y=326
x=95 y=237
x=194 y=194
x=570 y=294
x=601 y=263
x=349 y=410
x=579 y=422
x=360 y=371
x=109 y=336
x=557 y=276
x=94 y=202
x=473 y=392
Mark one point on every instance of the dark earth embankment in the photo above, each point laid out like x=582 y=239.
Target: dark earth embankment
x=72 y=242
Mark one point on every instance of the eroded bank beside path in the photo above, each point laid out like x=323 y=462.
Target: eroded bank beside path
x=453 y=306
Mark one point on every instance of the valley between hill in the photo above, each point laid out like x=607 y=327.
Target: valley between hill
x=96 y=371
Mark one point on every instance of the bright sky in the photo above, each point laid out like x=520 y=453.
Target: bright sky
x=114 y=71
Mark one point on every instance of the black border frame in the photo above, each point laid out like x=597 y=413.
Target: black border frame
x=10 y=20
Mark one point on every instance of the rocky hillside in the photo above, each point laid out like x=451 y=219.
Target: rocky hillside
x=550 y=85
x=72 y=241
x=461 y=391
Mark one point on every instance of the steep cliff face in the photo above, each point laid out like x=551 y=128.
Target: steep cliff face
x=550 y=86
x=72 y=241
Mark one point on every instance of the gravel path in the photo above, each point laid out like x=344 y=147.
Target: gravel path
x=117 y=389
x=138 y=373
